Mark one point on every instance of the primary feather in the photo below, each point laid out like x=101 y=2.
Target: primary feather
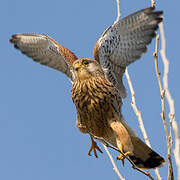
x=124 y=42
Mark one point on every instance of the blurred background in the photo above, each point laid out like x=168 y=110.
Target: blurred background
x=38 y=136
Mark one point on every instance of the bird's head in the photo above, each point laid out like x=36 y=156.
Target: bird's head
x=85 y=68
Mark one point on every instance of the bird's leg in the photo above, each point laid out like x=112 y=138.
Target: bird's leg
x=123 y=156
x=93 y=147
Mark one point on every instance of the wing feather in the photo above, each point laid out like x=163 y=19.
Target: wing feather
x=46 y=51
x=125 y=41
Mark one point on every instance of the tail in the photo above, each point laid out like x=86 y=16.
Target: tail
x=144 y=157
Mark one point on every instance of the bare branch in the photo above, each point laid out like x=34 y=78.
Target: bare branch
x=162 y=92
x=153 y=3
x=113 y=163
x=136 y=111
x=172 y=121
x=118 y=11
x=138 y=114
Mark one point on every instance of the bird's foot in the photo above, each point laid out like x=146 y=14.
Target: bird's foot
x=122 y=157
x=93 y=147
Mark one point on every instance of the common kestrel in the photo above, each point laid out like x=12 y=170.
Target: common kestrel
x=98 y=104
x=97 y=84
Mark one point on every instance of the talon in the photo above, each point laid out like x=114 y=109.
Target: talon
x=122 y=157
x=93 y=147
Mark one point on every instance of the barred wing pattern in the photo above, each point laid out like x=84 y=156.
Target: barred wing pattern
x=46 y=51
x=124 y=42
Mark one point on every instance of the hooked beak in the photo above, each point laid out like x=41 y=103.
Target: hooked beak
x=77 y=66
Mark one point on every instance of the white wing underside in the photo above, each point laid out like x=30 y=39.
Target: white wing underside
x=46 y=51
x=124 y=42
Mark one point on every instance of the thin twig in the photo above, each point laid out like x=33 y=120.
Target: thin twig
x=162 y=92
x=170 y=101
x=113 y=163
x=136 y=111
x=118 y=11
x=138 y=114
x=153 y=3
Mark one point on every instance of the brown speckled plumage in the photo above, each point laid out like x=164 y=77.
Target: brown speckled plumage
x=98 y=106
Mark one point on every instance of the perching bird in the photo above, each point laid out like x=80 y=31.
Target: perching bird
x=97 y=84
x=98 y=104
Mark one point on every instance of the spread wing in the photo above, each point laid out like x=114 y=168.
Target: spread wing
x=46 y=51
x=124 y=42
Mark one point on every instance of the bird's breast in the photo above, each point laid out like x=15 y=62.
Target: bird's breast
x=94 y=105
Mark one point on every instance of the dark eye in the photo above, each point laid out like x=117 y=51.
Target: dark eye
x=85 y=62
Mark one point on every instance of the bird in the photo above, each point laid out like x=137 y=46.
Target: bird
x=98 y=104
x=97 y=86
